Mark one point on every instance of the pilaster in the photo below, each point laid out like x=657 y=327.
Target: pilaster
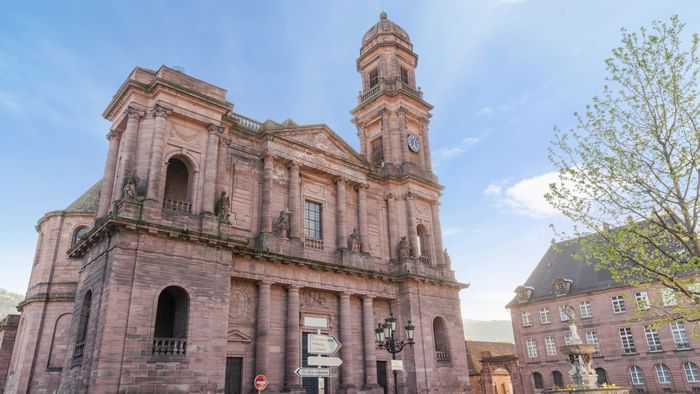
x=110 y=170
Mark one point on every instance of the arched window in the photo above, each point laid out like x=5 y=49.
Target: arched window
x=442 y=350
x=177 y=187
x=663 y=374
x=558 y=379
x=537 y=378
x=692 y=372
x=602 y=376
x=83 y=326
x=423 y=243
x=78 y=234
x=171 y=321
x=636 y=375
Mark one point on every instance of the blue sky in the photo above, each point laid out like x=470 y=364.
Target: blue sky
x=501 y=75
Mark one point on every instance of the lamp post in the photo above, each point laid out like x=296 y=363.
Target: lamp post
x=385 y=339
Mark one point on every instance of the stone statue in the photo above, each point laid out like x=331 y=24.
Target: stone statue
x=446 y=258
x=131 y=180
x=222 y=206
x=570 y=313
x=283 y=224
x=404 y=249
x=354 y=242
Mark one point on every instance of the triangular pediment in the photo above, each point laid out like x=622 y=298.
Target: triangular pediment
x=237 y=336
x=322 y=139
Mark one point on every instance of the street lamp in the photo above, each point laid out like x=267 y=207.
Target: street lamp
x=384 y=338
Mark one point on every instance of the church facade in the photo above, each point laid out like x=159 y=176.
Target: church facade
x=214 y=244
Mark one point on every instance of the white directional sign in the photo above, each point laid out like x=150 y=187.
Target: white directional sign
x=325 y=361
x=323 y=344
x=313 y=372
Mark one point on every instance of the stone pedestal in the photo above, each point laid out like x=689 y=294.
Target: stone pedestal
x=128 y=208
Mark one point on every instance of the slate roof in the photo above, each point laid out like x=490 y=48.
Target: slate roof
x=559 y=262
x=476 y=350
x=87 y=203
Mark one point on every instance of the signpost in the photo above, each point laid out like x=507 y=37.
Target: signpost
x=325 y=361
x=260 y=383
x=321 y=345
x=305 y=372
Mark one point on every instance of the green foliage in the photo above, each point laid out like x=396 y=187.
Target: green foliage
x=8 y=303
x=628 y=171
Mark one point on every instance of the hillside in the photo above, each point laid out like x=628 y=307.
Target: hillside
x=492 y=330
x=8 y=302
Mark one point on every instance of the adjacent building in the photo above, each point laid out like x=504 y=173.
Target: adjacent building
x=493 y=368
x=633 y=351
x=214 y=244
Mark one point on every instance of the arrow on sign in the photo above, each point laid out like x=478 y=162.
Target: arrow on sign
x=313 y=372
x=325 y=361
x=323 y=344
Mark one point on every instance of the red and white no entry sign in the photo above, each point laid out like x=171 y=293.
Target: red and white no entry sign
x=260 y=382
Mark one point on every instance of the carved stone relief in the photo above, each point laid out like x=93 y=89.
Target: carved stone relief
x=242 y=302
x=315 y=299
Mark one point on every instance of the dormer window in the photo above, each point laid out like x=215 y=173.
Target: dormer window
x=373 y=78
x=523 y=293
x=562 y=286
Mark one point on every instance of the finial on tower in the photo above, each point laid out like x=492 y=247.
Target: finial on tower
x=382 y=16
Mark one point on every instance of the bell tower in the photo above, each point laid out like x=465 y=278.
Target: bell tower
x=391 y=116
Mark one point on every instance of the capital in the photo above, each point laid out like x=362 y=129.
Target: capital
x=160 y=111
x=113 y=135
x=409 y=196
x=133 y=113
x=389 y=196
x=267 y=156
x=294 y=166
x=339 y=179
x=215 y=129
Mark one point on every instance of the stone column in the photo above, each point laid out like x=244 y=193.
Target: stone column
x=362 y=217
x=426 y=147
x=209 y=185
x=347 y=368
x=386 y=137
x=411 y=222
x=293 y=339
x=392 y=225
x=341 y=242
x=128 y=146
x=368 y=339
x=262 y=329
x=110 y=171
x=405 y=154
x=266 y=225
x=155 y=165
x=437 y=233
x=294 y=203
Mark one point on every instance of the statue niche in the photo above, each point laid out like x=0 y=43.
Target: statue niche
x=282 y=226
x=131 y=181
x=222 y=206
x=404 y=249
x=354 y=241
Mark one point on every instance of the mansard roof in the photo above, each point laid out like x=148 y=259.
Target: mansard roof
x=559 y=262
x=87 y=202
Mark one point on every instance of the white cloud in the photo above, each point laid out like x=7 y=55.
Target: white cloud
x=525 y=197
x=451 y=231
x=465 y=144
x=486 y=111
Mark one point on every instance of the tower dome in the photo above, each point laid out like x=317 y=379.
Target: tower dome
x=385 y=31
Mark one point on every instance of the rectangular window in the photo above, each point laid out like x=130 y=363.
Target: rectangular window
x=531 y=348
x=642 y=300
x=404 y=75
x=313 y=229
x=373 y=78
x=668 y=297
x=544 y=316
x=653 y=339
x=550 y=346
x=591 y=337
x=562 y=313
x=525 y=316
x=680 y=336
x=627 y=341
x=585 y=307
x=377 y=153
x=568 y=340
x=618 y=304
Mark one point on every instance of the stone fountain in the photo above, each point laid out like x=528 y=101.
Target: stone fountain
x=582 y=373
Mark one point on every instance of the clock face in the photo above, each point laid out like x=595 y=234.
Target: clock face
x=413 y=143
